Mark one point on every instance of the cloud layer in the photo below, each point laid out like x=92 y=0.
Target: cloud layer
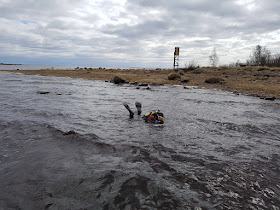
x=138 y=33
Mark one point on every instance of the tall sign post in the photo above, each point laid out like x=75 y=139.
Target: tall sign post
x=176 y=58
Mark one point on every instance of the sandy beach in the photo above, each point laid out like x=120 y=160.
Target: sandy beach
x=258 y=81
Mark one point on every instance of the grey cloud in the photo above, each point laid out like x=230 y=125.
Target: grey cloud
x=141 y=32
x=176 y=19
x=180 y=7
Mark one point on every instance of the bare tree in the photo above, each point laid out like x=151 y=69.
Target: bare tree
x=275 y=60
x=260 y=56
x=213 y=58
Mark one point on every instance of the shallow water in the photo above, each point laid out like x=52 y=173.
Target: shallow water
x=34 y=67
x=217 y=150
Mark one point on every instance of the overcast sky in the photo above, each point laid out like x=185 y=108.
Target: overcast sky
x=135 y=33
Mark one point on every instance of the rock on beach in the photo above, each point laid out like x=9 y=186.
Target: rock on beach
x=173 y=76
x=43 y=92
x=214 y=80
x=118 y=80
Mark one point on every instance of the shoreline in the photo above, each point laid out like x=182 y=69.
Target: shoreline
x=263 y=82
x=9 y=64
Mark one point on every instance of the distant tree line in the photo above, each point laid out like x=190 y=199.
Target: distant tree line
x=261 y=56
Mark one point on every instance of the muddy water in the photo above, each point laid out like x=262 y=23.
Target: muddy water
x=76 y=148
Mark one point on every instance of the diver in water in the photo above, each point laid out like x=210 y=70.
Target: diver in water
x=153 y=117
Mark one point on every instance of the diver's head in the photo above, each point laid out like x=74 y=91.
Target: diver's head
x=160 y=118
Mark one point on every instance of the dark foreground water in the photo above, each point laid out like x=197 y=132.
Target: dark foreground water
x=76 y=148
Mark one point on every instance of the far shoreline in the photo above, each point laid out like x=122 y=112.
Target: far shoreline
x=263 y=82
x=10 y=64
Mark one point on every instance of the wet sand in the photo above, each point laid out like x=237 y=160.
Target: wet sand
x=258 y=81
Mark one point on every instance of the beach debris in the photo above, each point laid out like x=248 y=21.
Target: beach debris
x=118 y=80
x=143 y=84
x=43 y=92
x=185 y=80
x=173 y=76
x=236 y=93
x=214 y=80
x=270 y=98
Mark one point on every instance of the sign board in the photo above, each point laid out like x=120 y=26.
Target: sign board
x=176 y=51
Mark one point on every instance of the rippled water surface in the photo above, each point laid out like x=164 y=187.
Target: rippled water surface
x=76 y=148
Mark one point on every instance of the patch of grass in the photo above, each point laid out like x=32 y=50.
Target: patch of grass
x=274 y=69
x=269 y=89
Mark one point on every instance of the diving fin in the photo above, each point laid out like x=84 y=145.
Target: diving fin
x=131 y=114
x=138 y=107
